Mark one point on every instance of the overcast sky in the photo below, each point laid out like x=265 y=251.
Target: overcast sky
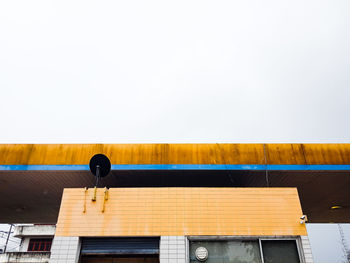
x=174 y=71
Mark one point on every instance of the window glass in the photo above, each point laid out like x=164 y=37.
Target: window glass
x=39 y=244
x=280 y=251
x=36 y=246
x=228 y=251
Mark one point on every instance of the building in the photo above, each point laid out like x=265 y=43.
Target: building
x=177 y=202
x=35 y=246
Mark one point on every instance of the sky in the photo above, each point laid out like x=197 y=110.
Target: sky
x=13 y=243
x=326 y=242
x=174 y=71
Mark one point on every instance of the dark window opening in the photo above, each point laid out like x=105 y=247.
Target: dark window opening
x=276 y=251
x=36 y=244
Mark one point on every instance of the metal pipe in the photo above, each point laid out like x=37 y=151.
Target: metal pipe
x=97 y=175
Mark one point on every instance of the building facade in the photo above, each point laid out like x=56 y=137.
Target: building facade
x=35 y=244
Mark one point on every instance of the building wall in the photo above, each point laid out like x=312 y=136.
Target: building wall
x=180 y=211
x=305 y=243
x=28 y=257
x=173 y=249
x=34 y=230
x=29 y=231
x=24 y=244
x=65 y=250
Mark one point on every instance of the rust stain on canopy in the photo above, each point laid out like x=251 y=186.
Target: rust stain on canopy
x=71 y=154
x=181 y=211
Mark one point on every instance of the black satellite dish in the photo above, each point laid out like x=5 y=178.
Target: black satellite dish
x=100 y=166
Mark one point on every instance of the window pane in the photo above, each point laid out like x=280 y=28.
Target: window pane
x=228 y=251
x=280 y=251
x=48 y=246
x=36 y=246
x=39 y=244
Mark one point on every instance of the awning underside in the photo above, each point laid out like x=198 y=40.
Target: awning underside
x=35 y=196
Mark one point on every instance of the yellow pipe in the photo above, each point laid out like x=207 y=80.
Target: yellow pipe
x=85 y=191
x=94 y=196
x=105 y=199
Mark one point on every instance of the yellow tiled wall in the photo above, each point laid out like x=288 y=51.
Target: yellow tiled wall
x=180 y=211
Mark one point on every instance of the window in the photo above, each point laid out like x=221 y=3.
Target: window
x=36 y=244
x=247 y=251
x=233 y=251
x=276 y=251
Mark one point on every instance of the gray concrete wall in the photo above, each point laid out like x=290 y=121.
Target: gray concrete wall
x=25 y=257
x=34 y=231
x=24 y=244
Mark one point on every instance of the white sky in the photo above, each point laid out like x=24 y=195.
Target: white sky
x=174 y=71
x=13 y=243
x=326 y=244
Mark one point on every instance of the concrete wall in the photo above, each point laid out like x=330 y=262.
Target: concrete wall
x=25 y=257
x=34 y=231
x=26 y=232
x=24 y=244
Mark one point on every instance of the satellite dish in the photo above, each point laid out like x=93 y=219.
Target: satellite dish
x=100 y=166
